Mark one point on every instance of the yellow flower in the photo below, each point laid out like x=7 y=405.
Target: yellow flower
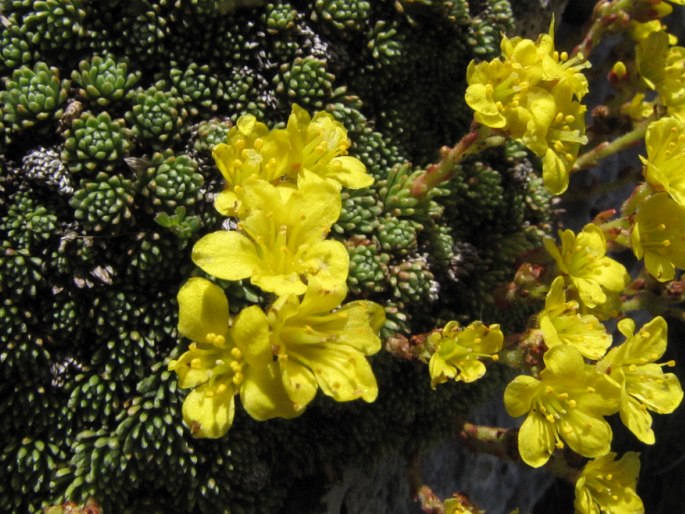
x=490 y=89
x=284 y=157
x=567 y=403
x=319 y=145
x=662 y=68
x=659 y=236
x=502 y=98
x=220 y=362
x=641 y=31
x=542 y=62
x=563 y=139
x=281 y=243
x=561 y=323
x=533 y=93
x=644 y=385
x=583 y=261
x=639 y=109
x=608 y=485
x=458 y=351
x=318 y=343
x=665 y=140
x=249 y=151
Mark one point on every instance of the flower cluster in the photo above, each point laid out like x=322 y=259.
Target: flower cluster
x=584 y=381
x=567 y=404
x=608 y=485
x=656 y=212
x=595 y=278
x=285 y=157
x=533 y=93
x=569 y=400
x=283 y=186
x=658 y=223
x=458 y=352
x=662 y=68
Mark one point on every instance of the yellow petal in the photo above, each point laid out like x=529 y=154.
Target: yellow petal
x=350 y=172
x=536 y=440
x=478 y=98
x=518 y=396
x=281 y=285
x=587 y=435
x=223 y=156
x=555 y=171
x=440 y=370
x=208 y=410
x=659 y=267
x=227 y=203
x=189 y=373
x=227 y=255
x=202 y=309
x=328 y=261
x=299 y=383
x=470 y=370
x=263 y=395
x=365 y=320
x=637 y=419
x=649 y=344
x=590 y=291
x=343 y=373
x=658 y=391
x=556 y=295
x=563 y=360
x=250 y=333
x=553 y=250
x=319 y=299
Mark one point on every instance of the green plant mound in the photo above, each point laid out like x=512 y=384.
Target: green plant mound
x=107 y=181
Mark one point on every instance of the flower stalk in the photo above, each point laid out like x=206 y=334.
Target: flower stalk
x=476 y=140
x=497 y=441
x=607 y=148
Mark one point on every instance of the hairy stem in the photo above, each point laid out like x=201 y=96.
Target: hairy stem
x=476 y=140
x=603 y=150
x=607 y=15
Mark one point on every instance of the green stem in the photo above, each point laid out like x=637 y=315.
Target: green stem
x=607 y=148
